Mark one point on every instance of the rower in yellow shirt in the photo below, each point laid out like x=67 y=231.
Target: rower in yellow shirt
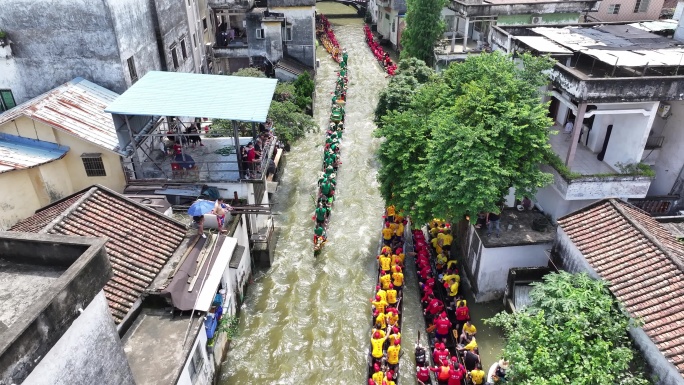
x=391 y=211
x=385 y=262
x=381 y=320
x=441 y=260
x=436 y=245
x=451 y=264
x=387 y=234
x=398 y=279
x=399 y=230
x=380 y=304
x=381 y=293
x=477 y=375
x=449 y=277
x=391 y=295
x=453 y=288
x=378 y=377
x=388 y=379
x=377 y=341
x=392 y=318
x=393 y=353
x=400 y=254
x=395 y=335
x=385 y=280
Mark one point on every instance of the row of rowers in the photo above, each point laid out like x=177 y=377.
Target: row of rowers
x=447 y=317
x=386 y=333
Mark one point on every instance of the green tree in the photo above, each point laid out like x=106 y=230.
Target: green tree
x=289 y=121
x=486 y=131
x=304 y=88
x=411 y=74
x=573 y=332
x=424 y=25
x=249 y=72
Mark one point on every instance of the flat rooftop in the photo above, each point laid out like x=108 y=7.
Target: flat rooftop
x=605 y=50
x=20 y=285
x=44 y=279
x=156 y=346
x=516 y=230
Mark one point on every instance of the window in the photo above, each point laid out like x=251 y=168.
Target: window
x=131 y=69
x=260 y=33
x=287 y=34
x=641 y=6
x=93 y=164
x=196 y=364
x=194 y=41
x=174 y=57
x=6 y=100
x=184 y=51
x=614 y=9
x=394 y=26
x=204 y=23
x=387 y=16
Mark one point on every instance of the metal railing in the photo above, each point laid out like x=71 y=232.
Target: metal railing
x=654 y=142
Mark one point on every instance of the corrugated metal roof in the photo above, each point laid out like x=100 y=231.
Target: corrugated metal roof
x=18 y=153
x=77 y=108
x=656 y=25
x=210 y=96
x=543 y=45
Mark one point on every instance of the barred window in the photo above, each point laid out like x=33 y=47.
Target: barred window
x=614 y=9
x=93 y=164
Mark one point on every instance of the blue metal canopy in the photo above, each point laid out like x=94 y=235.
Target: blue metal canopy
x=158 y=93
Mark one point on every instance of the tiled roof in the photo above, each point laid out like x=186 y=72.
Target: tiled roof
x=77 y=108
x=17 y=153
x=140 y=240
x=642 y=263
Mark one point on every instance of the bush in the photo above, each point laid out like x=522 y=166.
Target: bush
x=304 y=88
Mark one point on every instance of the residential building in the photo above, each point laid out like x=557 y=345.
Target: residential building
x=148 y=294
x=55 y=327
x=627 y=10
x=112 y=43
x=619 y=87
x=261 y=33
x=56 y=144
x=641 y=260
x=469 y=22
x=390 y=20
x=524 y=241
x=242 y=101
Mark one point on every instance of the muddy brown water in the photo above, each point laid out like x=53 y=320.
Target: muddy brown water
x=306 y=320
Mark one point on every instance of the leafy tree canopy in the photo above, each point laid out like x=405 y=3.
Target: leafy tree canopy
x=249 y=72
x=573 y=332
x=410 y=75
x=304 y=88
x=466 y=136
x=424 y=25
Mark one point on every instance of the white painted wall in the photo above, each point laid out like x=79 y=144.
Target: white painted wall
x=239 y=277
x=671 y=158
x=550 y=200
x=494 y=263
x=574 y=262
x=90 y=352
x=630 y=131
x=206 y=374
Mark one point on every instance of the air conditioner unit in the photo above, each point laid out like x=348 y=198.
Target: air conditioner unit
x=536 y=20
x=664 y=110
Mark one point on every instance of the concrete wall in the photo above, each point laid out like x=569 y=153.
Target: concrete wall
x=493 y=264
x=271 y=46
x=134 y=33
x=629 y=135
x=548 y=18
x=626 y=12
x=172 y=17
x=74 y=38
x=573 y=261
x=551 y=201
x=89 y=352
x=239 y=277
x=670 y=161
x=302 y=47
x=19 y=198
x=206 y=373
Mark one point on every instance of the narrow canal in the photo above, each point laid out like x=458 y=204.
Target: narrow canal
x=307 y=320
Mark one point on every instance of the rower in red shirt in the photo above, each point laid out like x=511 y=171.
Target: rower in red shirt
x=441 y=355
x=423 y=374
x=442 y=327
x=434 y=307
x=456 y=374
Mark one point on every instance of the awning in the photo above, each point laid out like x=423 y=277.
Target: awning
x=158 y=93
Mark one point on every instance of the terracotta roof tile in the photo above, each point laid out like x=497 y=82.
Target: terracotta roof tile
x=140 y=240
x=642 y=263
